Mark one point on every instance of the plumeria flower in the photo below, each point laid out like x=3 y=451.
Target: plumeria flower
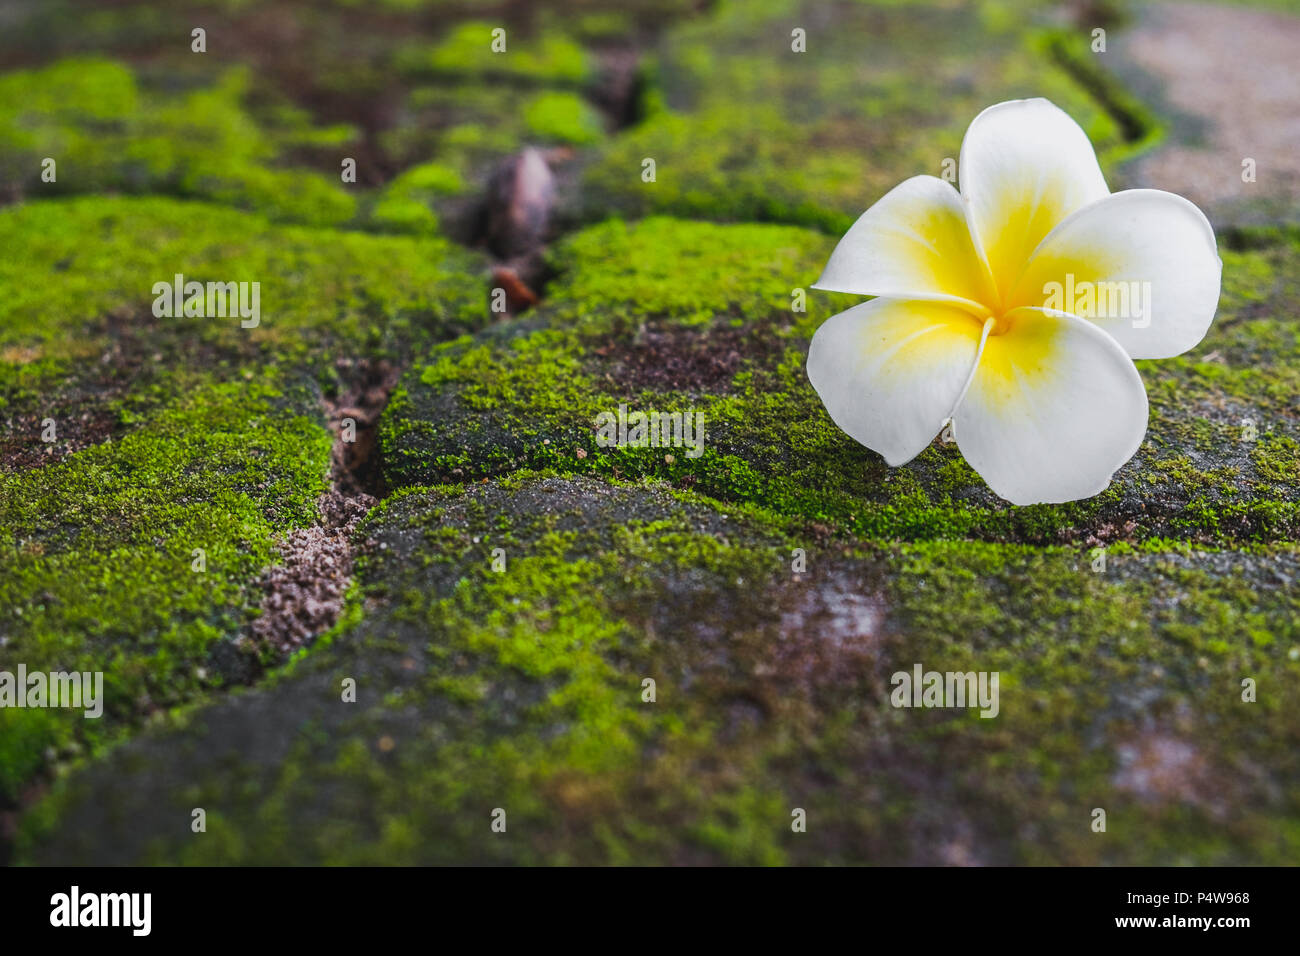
x=1014 y=309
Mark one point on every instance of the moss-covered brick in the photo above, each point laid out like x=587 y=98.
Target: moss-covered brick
x=81 y=273
x=524 y=689
x=407 y=204
x=503 y=605
x=172 y=433
x=455 y=136
x=97 y=570
x=485 y=49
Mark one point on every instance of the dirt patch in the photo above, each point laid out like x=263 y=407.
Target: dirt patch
x=691 y=360
x=303 y=595
x=1233 y=70
x=75 y=427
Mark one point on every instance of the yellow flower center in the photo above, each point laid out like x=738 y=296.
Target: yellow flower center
x=1001 y=323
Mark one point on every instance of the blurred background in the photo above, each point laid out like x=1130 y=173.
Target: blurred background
x=741 y=125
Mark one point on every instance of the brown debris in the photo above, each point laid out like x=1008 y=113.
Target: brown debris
x=356 y=468
x=518 y=295
x=520 y=200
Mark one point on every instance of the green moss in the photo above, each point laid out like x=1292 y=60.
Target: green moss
x=522 y=689
x=196 y=445
x=468 y=127
x=104 y=132
x=1097 y=667
x=672 y=316
x=77 y=260
x=688 y=272
x=406 y=204
x=97 y=574
x=467 y=53
x=534 y=676
x=1126 y=125
x=753 y=172
x=404 y=214
x=562 y=117
x=741 y=128
x=1277 y=459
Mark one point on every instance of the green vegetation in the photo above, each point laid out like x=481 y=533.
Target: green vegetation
x=468 y=53
x=529 y=685
x=99 y=550
x=104 y=132
x=225 y=454
x=77 y=260
x=670 y=315
x=742 y=128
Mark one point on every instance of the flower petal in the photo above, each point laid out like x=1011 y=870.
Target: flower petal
x=1025 y=165
x=1053 y=410
x=914 y=243
x=1142 y=264
x=889 y=371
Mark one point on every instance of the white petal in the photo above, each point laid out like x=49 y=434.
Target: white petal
x=1054 y=409
x=1025 y=165
x=1142 y=264
x=889 y=371
x=914 y=243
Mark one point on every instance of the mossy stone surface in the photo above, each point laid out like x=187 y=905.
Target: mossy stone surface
x=131 y=558
x=104 y=133
x=515 y=583
x=172 y=435
x=76 y=261
x=743 y=127
x=673 y=316
x=522 y=689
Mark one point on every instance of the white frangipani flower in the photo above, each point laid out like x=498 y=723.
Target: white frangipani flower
x=1014 y=309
